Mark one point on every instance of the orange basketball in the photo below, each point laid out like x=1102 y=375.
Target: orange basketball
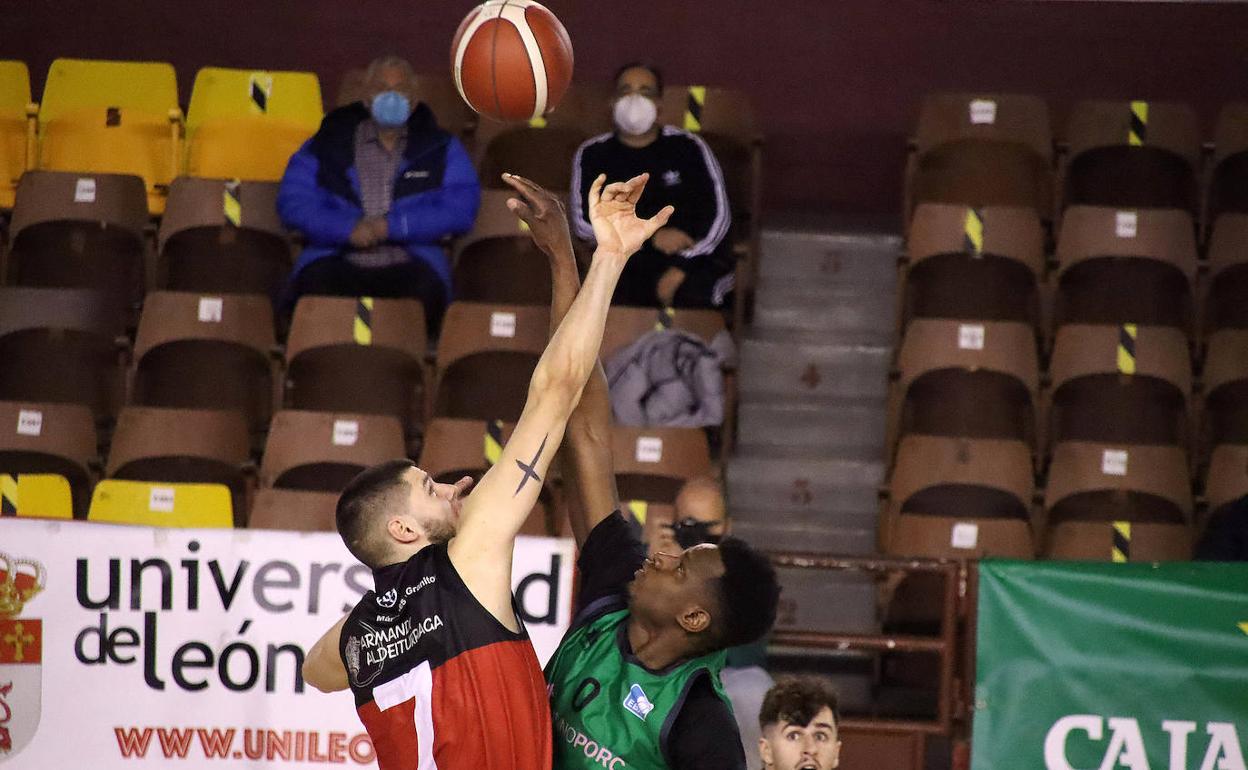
x=512 y=59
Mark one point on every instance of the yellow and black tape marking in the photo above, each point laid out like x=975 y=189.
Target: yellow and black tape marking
x=362 y=328
x=667 y=317
x=260 y=89
x=8 y=495
x=973 y=229
x=694 y=106
x=1137 y=135
x=232 y=203
x=638 y=508
x=1127 y=335
x=1121 y=551
x=493 y=442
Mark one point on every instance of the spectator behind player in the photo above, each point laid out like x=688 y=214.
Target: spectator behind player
x=374 y=192
x=700 y=516
x=688 y=263
x=799 y=721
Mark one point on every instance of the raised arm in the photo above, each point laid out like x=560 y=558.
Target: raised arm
x=588 y=470
x=495 y=511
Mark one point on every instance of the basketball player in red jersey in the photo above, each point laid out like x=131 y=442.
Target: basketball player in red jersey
x=443 y=673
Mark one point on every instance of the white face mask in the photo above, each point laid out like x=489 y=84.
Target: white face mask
x=635 y=114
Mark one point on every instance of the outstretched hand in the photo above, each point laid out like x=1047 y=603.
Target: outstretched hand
x=613 y=213
x=543 y=212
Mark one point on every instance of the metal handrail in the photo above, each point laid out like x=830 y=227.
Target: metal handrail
x=950 y=704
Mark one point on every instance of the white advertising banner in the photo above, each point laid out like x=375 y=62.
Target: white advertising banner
x=124 y=647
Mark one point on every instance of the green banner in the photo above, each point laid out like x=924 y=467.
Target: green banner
x=1085 y=666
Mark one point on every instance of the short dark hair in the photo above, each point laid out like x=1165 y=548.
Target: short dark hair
x=653 y=70
x=366 y=498
x=797 y=699
x=748 y=594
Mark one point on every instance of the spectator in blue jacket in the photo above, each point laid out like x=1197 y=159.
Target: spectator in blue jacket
x=374 y=193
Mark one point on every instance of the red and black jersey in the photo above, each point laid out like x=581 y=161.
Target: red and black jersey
x=438 y=681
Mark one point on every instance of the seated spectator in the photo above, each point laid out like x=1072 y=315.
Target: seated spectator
x=688 y=263
x=374 y=192
x=700 y=517
x=799 y=721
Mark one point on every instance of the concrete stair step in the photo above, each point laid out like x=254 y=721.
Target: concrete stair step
x=771 y=535
x=810 y=307
x=852 y=258
x=802 y=485
x=798 y=368
x=824 y=600
x=848 y=427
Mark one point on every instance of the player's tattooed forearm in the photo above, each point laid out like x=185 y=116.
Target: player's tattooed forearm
x=530 y=470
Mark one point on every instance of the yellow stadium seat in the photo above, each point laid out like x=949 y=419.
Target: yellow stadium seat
x=245 y=124
x=113 y=118
x=14 y=101
x=201 y=506
x=36 y=496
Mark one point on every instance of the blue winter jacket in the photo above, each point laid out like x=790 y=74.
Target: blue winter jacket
x=436 y=194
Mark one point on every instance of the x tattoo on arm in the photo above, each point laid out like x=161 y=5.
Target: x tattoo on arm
x=530 y=470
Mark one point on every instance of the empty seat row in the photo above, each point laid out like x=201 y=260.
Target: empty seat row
x=48 y=460
x=342 y=354
x=999 y=150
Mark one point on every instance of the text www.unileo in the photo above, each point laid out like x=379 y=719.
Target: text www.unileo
x=245 y=744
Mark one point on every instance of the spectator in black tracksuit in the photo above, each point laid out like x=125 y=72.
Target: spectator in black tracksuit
x=688 y=263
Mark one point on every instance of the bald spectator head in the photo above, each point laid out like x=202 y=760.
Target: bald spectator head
x=699 y=503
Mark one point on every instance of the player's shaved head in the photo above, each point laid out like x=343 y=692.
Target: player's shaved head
x=364 y=505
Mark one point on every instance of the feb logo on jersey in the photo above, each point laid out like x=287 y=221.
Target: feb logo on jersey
x=21 y=654
x=638 y=703
x=388 y=599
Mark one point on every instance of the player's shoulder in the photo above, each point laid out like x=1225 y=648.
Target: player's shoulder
x=677 y=135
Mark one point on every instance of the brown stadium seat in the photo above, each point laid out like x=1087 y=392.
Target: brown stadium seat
x=1118 y=482
x=182 y=446
x=626 y=325
x=542 y=150
x=970 y=379
x=1226 y=297
x=498 y=261
x=196 y=351
x=982 y=150
x=982 y=263
x=80 y=230
x=50 y=438
x=437 y=91
x=222 y=236
x=456 y=448
x=1118 y=541
x=1121 y=384
x=293 y=509
x=61 y=345
x=1228 y=182
x=358 y=355
x=1225 y=419
x=323 y=451
x=486 y=358
x=1132 y=154
x=725 y=118
x=960 y=498
x=652 y=464
x=1125 y=266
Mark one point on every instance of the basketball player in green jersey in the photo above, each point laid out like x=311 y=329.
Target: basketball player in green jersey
x=635 y=683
